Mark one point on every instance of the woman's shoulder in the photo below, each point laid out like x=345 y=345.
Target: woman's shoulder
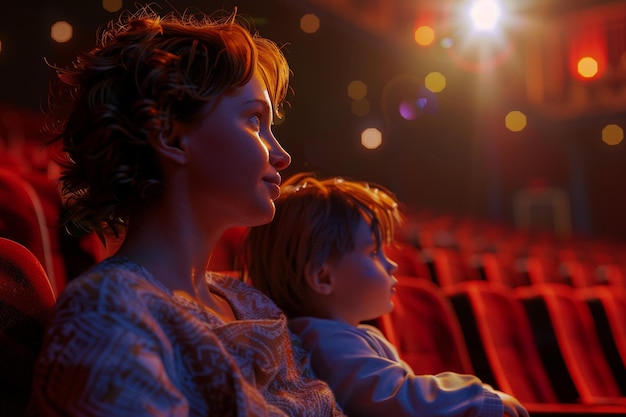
x=114 y=281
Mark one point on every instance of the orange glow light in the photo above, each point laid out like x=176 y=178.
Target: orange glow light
x=61 y=31
x=424 y=35
x=588 y=50
x=587 y=67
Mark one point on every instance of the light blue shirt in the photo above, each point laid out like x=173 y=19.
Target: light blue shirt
x=368 y=377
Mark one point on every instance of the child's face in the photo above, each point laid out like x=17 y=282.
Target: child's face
x=363 y=281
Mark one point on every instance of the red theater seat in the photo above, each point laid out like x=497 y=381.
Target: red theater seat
x=26 y=300
x=500 y=341
x=608 y=309
x=568 y=345
x=23 y=219
x=424 y=329
x=226 y=251
x=408 y=258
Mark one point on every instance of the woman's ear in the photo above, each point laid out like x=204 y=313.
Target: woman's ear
x=170 y=145
x=320 y=280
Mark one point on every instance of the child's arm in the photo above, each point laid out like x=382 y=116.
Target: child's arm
x=368 y=380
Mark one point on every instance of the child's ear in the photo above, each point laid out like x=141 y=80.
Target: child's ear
x=171 y=145
x=320 y=280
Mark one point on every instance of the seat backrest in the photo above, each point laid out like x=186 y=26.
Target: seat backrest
x=26 y=301
x=607 y=305
x=450 y=266
x=23 y=219
x=612 y=274
x=227 y=250
x=541 y=269
x=424 y=328
x=557 y=306
x=408 y=258
x=503 y=351
x=580 y=273
x=499 y=268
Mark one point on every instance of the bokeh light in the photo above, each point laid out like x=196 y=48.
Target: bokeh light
x=515 y=121
x=612 y=134
x=357 y=90
x=446 y=43
x=111 y=5
x=587 y=67
x=435 y=82
x=408 y=110
x=61 y=31
x=424 y=35
x=371 y=138
x=309 y=23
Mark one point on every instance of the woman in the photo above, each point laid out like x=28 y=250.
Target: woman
x=169 y=143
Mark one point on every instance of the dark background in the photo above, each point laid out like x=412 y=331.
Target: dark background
x=456 y=157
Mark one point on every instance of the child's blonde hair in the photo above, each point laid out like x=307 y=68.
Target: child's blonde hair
x=315 y=223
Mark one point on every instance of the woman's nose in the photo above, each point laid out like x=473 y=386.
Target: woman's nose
x=279 y=158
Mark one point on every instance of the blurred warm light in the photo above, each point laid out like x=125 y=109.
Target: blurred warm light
x=435 y=82
x=111 y=5
x=515 y=121
x=588 y=50
x=360 y=107
x=485 y=14
x=61 y=31
x=0 y=45
x=357 y=90
x=475 y=38
x=587 y=67
x=309 y=23
x=424 y=35
x=371 y=138
x=612 y=134
x=447 y=43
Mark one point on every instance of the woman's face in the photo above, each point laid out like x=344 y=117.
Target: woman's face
x=234 y=159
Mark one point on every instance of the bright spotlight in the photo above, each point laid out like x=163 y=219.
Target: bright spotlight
x=485 y=14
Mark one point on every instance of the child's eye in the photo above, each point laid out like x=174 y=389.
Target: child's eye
x=256 y=120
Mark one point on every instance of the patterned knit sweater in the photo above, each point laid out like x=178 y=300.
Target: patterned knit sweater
x=121 y=344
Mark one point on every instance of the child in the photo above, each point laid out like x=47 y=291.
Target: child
x=322 y=261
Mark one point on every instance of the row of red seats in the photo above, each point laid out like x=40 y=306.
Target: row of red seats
x=448 y=266
x=538 y=343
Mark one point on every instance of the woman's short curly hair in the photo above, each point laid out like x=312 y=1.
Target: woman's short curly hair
x=145 y=72
x=315 y=222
